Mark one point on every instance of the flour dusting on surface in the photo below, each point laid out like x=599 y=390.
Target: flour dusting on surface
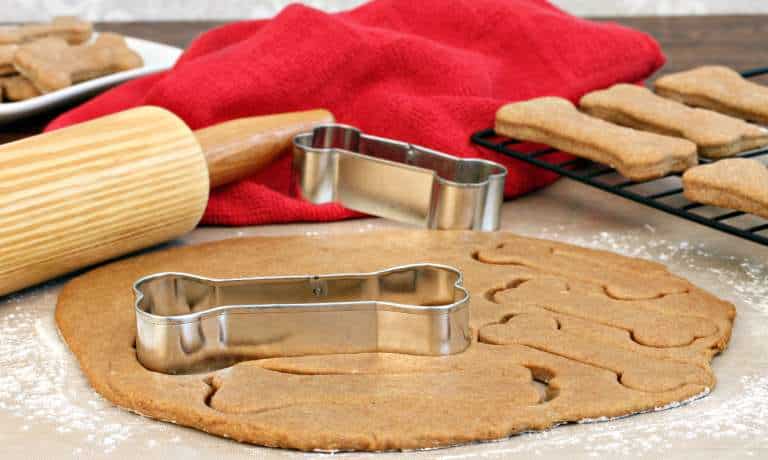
x=43 y=391
x=41 y=385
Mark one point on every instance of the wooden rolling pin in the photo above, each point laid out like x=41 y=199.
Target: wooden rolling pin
x=93 y=191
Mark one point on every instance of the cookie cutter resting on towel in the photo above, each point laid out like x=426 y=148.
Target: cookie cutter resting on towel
x=187 y=323
x=397 y=180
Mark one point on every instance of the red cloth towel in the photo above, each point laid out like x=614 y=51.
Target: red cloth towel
x=429 y=72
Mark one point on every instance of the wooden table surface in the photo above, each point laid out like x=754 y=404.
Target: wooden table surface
x=48 y=410
x=736 y=41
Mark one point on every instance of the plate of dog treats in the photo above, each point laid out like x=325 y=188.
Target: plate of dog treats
x=45 y=65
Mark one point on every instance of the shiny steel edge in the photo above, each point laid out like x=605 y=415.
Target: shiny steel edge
x=189 y=324
x=318 y=181
x=193 y=317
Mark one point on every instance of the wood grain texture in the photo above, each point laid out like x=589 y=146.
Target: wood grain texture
x=239 y=148
x=91 y=192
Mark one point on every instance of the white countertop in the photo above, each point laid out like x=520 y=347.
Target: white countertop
x=47 y=409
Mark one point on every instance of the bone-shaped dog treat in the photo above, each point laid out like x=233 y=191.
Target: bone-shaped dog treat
x=717 y=135
x=6 y=59
x=635 y=154
x=735 y=183
x=52 y=64
x=717 y=88
x=69 y=28
x=18 y=88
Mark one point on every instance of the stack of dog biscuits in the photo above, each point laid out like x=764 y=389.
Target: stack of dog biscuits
x=71 y=29
x=738 y=183
x=555 y=121
x=715 y=135
x=708 y=111
x=40 y=58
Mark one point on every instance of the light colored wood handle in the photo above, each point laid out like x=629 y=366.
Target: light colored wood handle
x=94 y=191
x=237 y=149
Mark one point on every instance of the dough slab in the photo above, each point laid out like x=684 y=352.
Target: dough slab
x=561 y=334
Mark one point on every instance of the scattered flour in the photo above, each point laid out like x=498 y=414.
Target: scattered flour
x=43 y=393
x=41 y=385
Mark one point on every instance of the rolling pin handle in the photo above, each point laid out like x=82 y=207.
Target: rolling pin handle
x=239 y=148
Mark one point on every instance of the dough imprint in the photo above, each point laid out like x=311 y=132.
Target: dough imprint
x=561 y=334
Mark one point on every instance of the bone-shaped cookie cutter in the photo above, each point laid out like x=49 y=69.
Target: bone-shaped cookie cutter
x=187 y=323
x=397 y=180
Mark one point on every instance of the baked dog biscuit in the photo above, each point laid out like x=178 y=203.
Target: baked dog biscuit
x=18 y=88
x=715 y=134
x=52 y=64
x=735 y=183
x=6 y=59
x=555 y=121
x=717 y=88
x=69 y=28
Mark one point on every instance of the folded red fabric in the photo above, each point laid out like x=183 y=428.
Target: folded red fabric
x=429 y=72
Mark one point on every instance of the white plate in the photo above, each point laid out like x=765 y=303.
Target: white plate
x=157 y=57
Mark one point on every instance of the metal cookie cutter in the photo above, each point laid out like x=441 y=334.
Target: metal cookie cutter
x=397 y=180
x=187 y=323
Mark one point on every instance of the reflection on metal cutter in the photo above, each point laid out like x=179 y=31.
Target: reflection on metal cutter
x=187 y=323
x=396 y=180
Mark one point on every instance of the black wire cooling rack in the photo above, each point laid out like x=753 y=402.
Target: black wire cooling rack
x=665 y=194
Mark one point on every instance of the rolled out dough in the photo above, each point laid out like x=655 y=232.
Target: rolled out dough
x=607 y=336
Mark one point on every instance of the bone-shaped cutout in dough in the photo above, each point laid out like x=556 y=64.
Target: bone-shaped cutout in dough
x=648 y=327
x=622 y=278
x=636 y=371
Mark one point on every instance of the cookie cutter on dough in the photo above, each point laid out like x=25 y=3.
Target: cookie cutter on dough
x=187 y=323
x=397 y=180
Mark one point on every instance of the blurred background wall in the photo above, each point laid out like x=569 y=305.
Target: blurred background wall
x=129 y=10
